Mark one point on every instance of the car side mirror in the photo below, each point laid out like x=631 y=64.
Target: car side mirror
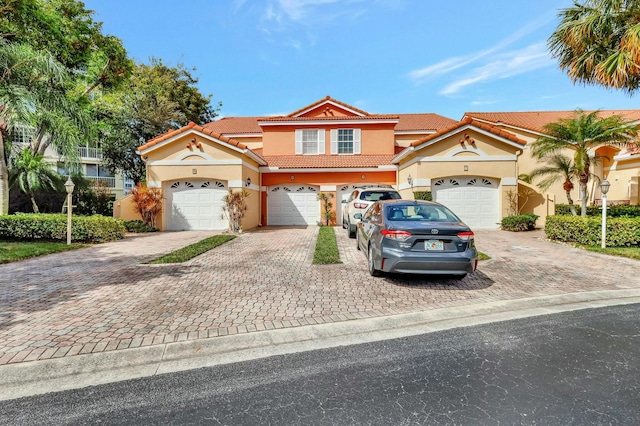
x=358 y=216
x=344 y=201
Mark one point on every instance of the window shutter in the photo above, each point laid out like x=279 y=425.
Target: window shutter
x=356 y=141
x=334 y=141
x=298 y=141
x=321 y=141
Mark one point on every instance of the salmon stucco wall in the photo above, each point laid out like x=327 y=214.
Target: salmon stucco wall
x=125 y=209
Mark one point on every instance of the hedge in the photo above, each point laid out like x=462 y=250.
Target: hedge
x=619 y=210
x=422 y=195
x=32 y=226
x=523 y=222
x=621 y=231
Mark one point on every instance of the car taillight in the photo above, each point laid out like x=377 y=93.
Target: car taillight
x=360 y=205
x=466 y=236
x=396 y=235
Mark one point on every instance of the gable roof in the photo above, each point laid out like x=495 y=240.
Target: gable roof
x=536 y=120
x=423 y=121
x=194 y=127
x=235 y=125
x=327 y=100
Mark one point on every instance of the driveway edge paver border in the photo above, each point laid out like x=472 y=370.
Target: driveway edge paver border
x=38 y=377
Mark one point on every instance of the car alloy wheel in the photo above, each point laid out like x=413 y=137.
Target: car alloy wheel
x=372 y=265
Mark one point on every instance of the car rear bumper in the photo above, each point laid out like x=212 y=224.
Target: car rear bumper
x=405 y=262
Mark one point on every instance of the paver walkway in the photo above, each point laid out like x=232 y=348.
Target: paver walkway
x=103 y=298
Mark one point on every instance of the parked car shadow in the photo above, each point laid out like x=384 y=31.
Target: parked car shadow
x=475 y=281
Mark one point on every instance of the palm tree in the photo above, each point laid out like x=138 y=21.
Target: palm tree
x=31 y=173
x=558 y=167
x=26 y=77
x=598 y=42
x=582 y=134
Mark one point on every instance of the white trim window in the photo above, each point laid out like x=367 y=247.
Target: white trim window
x=345 y=141
x=309 y=141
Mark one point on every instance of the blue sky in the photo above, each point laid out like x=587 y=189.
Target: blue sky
x=268 y=57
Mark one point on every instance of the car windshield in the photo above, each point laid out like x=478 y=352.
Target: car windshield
x=419 y=212
x=379 y=195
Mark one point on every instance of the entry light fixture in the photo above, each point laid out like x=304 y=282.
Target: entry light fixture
x=292 y=177
x=410 y=181
x=248 y=182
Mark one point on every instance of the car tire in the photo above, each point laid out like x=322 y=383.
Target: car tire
x=371 y=264
x=351 y=229
x=344 y=224
x=358 y=240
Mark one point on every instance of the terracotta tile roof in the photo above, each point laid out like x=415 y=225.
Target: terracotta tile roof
x=398 y=149
x=327 y=161
x=425 y=121
x=194 y=126
x=235 y=125
x=468 y=121
x=325 y=99
x=536 y=120
x=334 y=118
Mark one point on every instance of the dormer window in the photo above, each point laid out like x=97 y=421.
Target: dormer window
x=345 y=141
x=309 y=141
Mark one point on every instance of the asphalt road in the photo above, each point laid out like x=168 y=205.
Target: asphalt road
x=580 y=367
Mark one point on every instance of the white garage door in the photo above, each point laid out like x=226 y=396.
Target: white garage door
x=473 y=199
x=196 y=205
x=293 y=205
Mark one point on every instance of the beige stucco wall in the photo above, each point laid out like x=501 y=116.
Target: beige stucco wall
x=124 y=208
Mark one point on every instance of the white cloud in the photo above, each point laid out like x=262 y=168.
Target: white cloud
x=448 y=65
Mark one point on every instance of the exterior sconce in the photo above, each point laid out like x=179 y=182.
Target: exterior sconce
x=292 y=177
x=410 y=181
x=248 y=182
x=362 y=177
x=466 y=168
x=194 y=171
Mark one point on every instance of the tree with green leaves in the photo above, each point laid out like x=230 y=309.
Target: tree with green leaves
x=582 y=134
x=558 y=167
x=598 y=42
x=156 y=98
x=26 y=78
x=30 y=173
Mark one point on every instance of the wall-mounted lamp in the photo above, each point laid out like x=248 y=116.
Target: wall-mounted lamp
x=362 y=176
x=248 y=182
x=292 y=177
x=410 y=181
x=466 y=168
x=194 y=171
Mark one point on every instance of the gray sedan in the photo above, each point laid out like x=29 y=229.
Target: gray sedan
x=416 y=237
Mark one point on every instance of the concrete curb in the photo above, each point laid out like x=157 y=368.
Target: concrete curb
x=38 y=377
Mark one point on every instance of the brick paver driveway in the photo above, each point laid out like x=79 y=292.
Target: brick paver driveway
x=103 y=298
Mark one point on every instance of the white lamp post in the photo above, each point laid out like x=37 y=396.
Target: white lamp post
x=69 y=187
x=604 y=188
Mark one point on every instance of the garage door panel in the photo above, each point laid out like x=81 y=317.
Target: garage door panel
x=473 y=199
x=293 y=205
x=196 y=205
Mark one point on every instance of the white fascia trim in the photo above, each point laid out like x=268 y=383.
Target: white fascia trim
x=323 y=170
x=414 y=132
x=418 y=183
x=329 y=188
x=236 y=184
x=389 y=167
x=623 y=167
x=509 y=181
x=463 y=159
x=408 y=150
x=252 y=187
x=250 y=167
x=624 y=156
x=210 y=162
x=312 y=122
x=332 y=103
x=154 y=184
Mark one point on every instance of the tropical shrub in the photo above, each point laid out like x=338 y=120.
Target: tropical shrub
x=138 y=226
x=618 y=210
x=148 y=202
x=621 y=231
x=523 y=222
x=234 y=208
x=422 y=195
x=34 y=226
x=327 y=214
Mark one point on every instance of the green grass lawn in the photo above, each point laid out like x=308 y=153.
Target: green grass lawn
x=326 y=247
x=12 y=251
x=193 y=250
x=630 y=252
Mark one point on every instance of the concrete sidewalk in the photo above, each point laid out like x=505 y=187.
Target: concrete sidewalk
x=103 y=301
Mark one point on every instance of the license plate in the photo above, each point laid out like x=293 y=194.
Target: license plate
x=432 y=245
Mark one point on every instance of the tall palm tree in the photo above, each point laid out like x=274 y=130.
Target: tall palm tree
x=30 y=173
x=557 y=167
x=582 y=134
x=598 y=42
x=26 y=77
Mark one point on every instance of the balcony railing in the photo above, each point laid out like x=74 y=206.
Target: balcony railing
x=109 y=181
x=86 y=152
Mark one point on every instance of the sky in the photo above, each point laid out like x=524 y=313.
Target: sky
x=272 y=57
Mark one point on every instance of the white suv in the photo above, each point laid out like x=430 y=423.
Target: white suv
x=360 y=199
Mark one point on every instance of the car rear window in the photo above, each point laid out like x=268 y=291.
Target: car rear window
x=420 y=213
x=379 y=195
